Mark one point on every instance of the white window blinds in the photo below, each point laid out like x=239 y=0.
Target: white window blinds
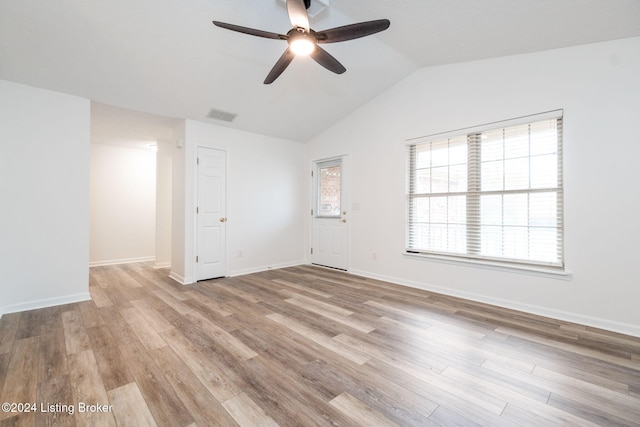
x=490 y=193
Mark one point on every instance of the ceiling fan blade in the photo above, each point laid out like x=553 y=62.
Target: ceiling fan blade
x=298 y=14
x=280 y=66
x=251 y=31
x=325 y=59
x=352 y=31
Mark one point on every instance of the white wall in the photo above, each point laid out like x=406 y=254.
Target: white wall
x=122 y=204
x=178 y=208
x=44 y=196
x=598 y=87
x=266 y=194
x=164 y=160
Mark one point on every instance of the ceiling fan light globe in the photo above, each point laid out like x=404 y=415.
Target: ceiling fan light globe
x=302 y=46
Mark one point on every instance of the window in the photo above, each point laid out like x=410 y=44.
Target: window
x=490 y=193
x=329 y=185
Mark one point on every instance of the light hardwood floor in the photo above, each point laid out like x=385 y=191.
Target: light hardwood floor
x=305 y=346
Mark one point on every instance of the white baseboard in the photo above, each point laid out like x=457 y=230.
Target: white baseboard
x=609 y=325
x=242 y=272
x=181 y=279
x=162 y=264
x=42 y=303
x=120 y=261
x=178 y=278
x=189 y=281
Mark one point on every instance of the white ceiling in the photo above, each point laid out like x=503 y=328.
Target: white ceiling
x=165 y=57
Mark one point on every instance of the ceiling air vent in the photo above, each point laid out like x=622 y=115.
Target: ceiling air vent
x=221 y=115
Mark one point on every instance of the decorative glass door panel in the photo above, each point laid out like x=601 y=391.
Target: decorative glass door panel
x=329 y=189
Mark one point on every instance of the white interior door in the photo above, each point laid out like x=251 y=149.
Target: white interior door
x=211 y=214
x=329 y=223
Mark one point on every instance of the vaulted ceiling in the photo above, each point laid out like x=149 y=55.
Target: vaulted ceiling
x=165 y=57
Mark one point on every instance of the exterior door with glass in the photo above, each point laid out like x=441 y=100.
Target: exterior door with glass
x=329 y=222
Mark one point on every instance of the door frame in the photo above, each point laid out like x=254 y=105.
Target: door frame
x=195 y=207
x=345 y=196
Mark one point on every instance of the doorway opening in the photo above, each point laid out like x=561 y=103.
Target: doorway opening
x=130 y=186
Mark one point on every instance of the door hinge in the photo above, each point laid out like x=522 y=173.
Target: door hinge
x=312 y=173
x=197 y=160
x=311 y=251
x=311 y=212
x=197 y=209
x=196 y=258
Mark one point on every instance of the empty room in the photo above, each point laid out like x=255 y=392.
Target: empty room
x=324 y=212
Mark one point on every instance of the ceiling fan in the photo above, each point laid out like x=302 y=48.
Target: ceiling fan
x=305 y=41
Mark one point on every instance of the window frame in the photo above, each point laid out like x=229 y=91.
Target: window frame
x=473 y=168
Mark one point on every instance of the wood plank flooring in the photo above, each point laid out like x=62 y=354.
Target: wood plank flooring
x=305 y=346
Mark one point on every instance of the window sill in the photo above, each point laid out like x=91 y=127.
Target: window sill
x=532 y=270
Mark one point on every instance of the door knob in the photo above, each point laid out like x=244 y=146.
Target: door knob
x=344 y=220
x=223 y=219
